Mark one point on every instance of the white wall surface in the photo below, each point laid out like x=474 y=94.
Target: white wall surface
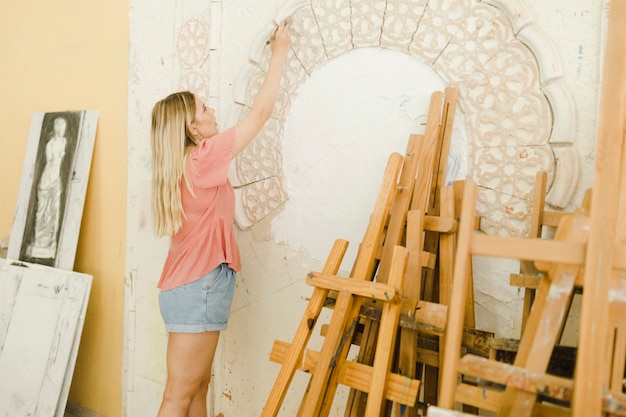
x=278 y=252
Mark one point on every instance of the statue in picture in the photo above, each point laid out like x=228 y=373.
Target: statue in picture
x=48 y=199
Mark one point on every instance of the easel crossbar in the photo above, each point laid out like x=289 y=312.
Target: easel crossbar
x=354 y=375
x=361 y=288
x=536 y=249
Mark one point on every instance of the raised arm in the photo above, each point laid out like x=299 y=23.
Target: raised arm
x=248 y=127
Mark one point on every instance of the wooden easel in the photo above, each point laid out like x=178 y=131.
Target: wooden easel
x=529 y=275
x=291 y=356
x=427 y=196
x=395 y=231
x=330 y=366
x=418 y=286
x=543 y=222
x=442 y=204
x=398 y=217
x=406 y=221
x=564 y=254
x=527 y=379
x=589 y=251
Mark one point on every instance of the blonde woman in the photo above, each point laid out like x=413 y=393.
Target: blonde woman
x=193 y=202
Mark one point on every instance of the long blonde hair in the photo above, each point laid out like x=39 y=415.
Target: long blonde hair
x=171 y=139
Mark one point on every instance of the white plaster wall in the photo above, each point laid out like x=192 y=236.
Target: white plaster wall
x=271 y=294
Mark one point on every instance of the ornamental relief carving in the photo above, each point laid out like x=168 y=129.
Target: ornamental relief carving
x=518 y=110
x=192 y=47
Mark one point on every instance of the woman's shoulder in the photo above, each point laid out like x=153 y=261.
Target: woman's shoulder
x=230 y=132
x=219 y=140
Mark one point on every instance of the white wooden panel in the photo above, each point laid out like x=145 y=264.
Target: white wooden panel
x=41 y=318
x=26 y=349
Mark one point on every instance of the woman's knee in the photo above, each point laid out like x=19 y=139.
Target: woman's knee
x=203 y=388
x=204 y=385
x=179 y=393
x=188 y=390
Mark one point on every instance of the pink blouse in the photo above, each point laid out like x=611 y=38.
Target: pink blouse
x=207 y=237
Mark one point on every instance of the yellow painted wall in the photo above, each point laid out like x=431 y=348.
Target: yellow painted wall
x=73 y=55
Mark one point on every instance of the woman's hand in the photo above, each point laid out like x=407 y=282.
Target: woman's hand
x=263 y=105
x=282 y=40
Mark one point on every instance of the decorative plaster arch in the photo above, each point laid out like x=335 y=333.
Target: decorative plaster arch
x=512 y=91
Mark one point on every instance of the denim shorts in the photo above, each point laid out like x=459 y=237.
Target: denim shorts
x=199 y=306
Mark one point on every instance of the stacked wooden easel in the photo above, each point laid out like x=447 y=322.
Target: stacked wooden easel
x=397 y=290
x=588 y=253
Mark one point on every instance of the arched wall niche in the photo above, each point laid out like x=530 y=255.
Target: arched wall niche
x=518 y=111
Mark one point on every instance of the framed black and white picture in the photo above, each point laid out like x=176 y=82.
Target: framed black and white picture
x=53 y=187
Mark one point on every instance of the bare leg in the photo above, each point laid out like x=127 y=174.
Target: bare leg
x=189 y=362
x=198 y=402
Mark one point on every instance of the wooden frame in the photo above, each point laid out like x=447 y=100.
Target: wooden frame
x=53 y=186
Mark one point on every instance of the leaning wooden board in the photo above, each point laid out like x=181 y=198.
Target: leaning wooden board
x=42 y=311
